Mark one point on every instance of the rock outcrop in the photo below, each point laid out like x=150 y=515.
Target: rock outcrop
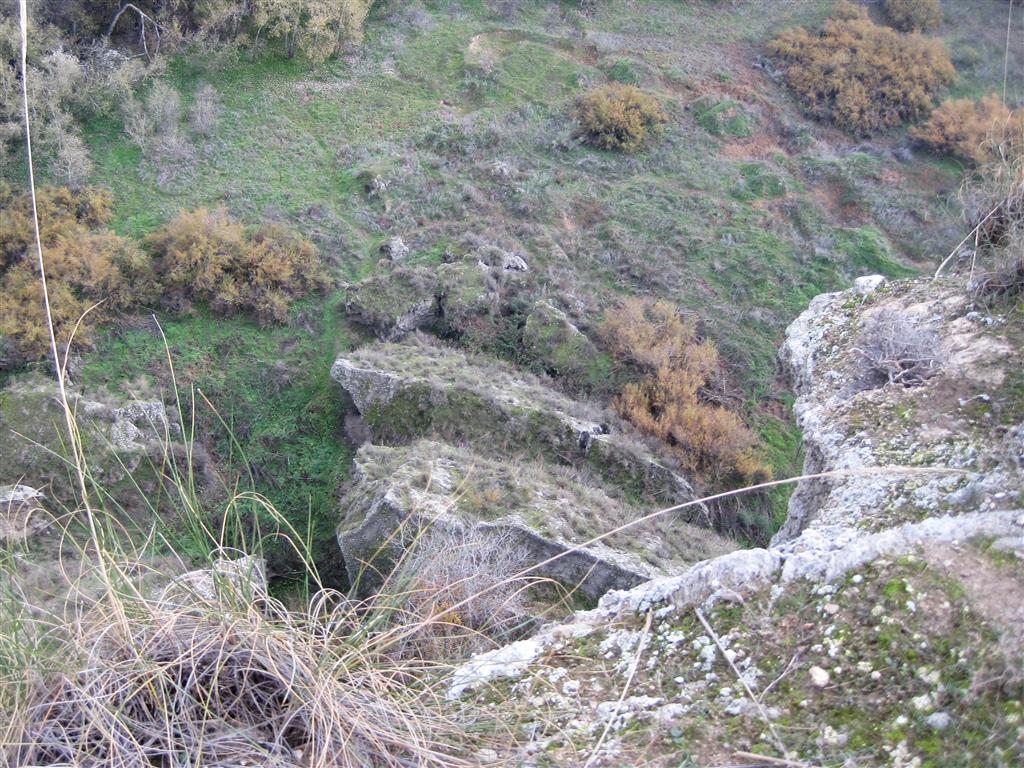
x=548 y=514
x=962 y=421
x=404 y=391
x=22 y=513
x=128 y=441
x=868 y=626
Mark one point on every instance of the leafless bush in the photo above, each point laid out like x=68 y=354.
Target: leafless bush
x=72 y=164
x=205 y=111
x=163 y=104
x=993 y=204
x=457 y=588
x=137 y=125
x=895 y=350
x=169 y=159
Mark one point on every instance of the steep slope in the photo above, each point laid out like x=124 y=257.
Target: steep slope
x=882 y=628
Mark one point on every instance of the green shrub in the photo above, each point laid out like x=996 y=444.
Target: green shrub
x=617 y=116
x=626 y=71
x=724 y=117
x=914 y=15
x=207 y=257
x=860 y=76
x=85 y=263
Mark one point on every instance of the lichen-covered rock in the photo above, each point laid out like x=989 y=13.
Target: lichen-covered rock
x=395 y=303
x=227 y=580
x=395 y=249
x=962 y=419
x=552 y=344
x=547 y=512
x=405 y=391
x=126 y=441
x=867 y=624
x=406 y=298
x=22 y=513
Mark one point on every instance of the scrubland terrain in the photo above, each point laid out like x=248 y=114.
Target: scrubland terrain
x=420 y=350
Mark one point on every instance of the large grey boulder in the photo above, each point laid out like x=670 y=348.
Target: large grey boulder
x=943 y=447
x=420 y=388
x=546 y=513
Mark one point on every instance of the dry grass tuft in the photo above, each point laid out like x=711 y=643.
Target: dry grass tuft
x=220 y=684
x=459 y=591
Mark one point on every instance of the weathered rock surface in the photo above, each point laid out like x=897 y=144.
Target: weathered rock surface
x=962 y=419
x=408 y=390
x=846 y=621
x=448 y=296
x=22 y=513
x=227 y=580
x=127 y=441
x=546 y=512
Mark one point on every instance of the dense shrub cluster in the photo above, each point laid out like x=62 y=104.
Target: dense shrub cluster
x=54 y=85
x=86 y=263
x=709 y=440
x=973 y=131
x=618 y=116
x=205 y=256
x=914 y=15
x=200 y=257
x=863 y=77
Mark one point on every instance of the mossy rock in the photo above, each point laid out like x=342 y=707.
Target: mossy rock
x=420 y=388
x=724 y=118
x=552 y=344
x=546 y=510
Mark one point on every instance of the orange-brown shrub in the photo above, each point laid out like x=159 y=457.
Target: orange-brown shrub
x=863 y=77
x=86 y=264
x=914 y=15
x=618 y=116
x=653 y=334
x=976 y=132
x=205 y=256
x=709 y=440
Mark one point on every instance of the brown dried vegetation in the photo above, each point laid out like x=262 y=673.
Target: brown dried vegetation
x=617 y=116
x=205 y=256
x=85 y=262
x=863 y=77
x=974 y=131
x=914 y=15
x=709 y=440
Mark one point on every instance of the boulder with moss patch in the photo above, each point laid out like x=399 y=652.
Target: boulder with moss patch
x=418 y=388
x=548 y=511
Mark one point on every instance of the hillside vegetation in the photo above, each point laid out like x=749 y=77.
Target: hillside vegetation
x=383 y=326
x=456 y=128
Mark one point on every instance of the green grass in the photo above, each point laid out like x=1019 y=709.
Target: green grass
x=745 y=244
x=271 y=387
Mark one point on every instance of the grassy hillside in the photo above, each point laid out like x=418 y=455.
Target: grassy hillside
x=741 y=211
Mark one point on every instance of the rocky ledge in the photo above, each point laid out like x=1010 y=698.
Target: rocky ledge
x=546 y=512
x=881 y=628
x=420 y=388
